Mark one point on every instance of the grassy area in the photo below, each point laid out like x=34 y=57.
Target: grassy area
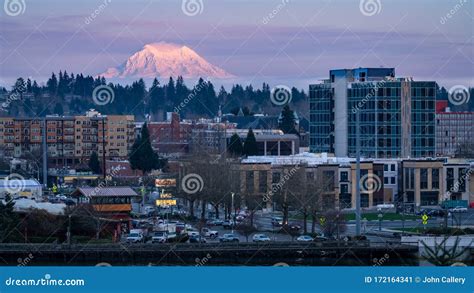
x=371 y=217
x=438 y=231
x=386 y=216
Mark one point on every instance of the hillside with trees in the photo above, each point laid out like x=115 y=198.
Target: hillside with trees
x=72 y=94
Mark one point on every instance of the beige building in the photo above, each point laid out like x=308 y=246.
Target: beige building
x=70 y=139
x=423 y=182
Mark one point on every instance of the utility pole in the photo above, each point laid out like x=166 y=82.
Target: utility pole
x=358 y=173
x=45 y=153
x=103 y=149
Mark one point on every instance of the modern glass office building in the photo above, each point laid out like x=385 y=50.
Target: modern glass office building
x=396 y=115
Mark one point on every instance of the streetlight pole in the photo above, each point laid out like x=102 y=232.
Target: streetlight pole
x=69 y=230
x=232 y=213
x=358 y=173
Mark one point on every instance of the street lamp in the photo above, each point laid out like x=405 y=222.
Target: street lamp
x=380 y=221
x=232 y=213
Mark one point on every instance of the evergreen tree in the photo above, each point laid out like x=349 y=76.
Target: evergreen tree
x=287 y=123
x=52 y=84
x=9 y=221
x=58 y=109
x=142 y=156
x=94 y=163
x=235 y=145
x=250 y=144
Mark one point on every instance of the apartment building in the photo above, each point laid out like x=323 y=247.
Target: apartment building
x=70 y=140
x=454 y=131
x=396 y=115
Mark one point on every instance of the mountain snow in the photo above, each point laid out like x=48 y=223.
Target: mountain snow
x=165 y=60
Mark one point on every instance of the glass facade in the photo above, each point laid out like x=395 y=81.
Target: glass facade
x=380 y=105
x=321 y=104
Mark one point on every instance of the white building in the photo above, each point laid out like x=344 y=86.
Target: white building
x=16 y=187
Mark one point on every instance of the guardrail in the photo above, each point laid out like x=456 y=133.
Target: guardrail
x=206 y=246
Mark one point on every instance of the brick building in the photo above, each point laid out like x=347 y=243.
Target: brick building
x=70 y=140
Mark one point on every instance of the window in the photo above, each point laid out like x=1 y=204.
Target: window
x=344 y=176
x=434 y=179
x=249 y=181
x=424 y=178
x=276 y=177
x=328 y=177
x=392 y=167
x=462 y=179
x=344 y=188
x=262 y=181
x=449 y=179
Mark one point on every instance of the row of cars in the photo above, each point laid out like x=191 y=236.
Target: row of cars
x=441 y=213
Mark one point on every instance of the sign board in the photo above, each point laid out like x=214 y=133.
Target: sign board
x=165 y=202
x=165 y=182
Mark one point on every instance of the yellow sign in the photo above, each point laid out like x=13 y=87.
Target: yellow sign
x=165 y=202
x=165 y=182
x=322 y=221
x=424 y=219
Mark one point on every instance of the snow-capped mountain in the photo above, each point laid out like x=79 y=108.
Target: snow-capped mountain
x=165 y=60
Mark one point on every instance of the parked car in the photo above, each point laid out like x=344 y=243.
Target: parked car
x=193 y=233
x=436 y=213
x=228 y=224
x=159 y=237
x=277 y=221
x=458 y=209
x=229 y=238
x=320 y=238
x=197 y=239
x=215 y=222
x=260 y=238
x=239 y=218
x=135 y=238
x=305 y=238
x=209 y=233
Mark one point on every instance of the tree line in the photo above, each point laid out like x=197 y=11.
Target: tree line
x=72 y=94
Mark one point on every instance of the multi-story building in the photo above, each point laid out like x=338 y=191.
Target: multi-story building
x=70 y=140
x=414 y=182
x=396 y=115
x=173 y=137
x=454 y=131
x=422 y=181
x=269 y=142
